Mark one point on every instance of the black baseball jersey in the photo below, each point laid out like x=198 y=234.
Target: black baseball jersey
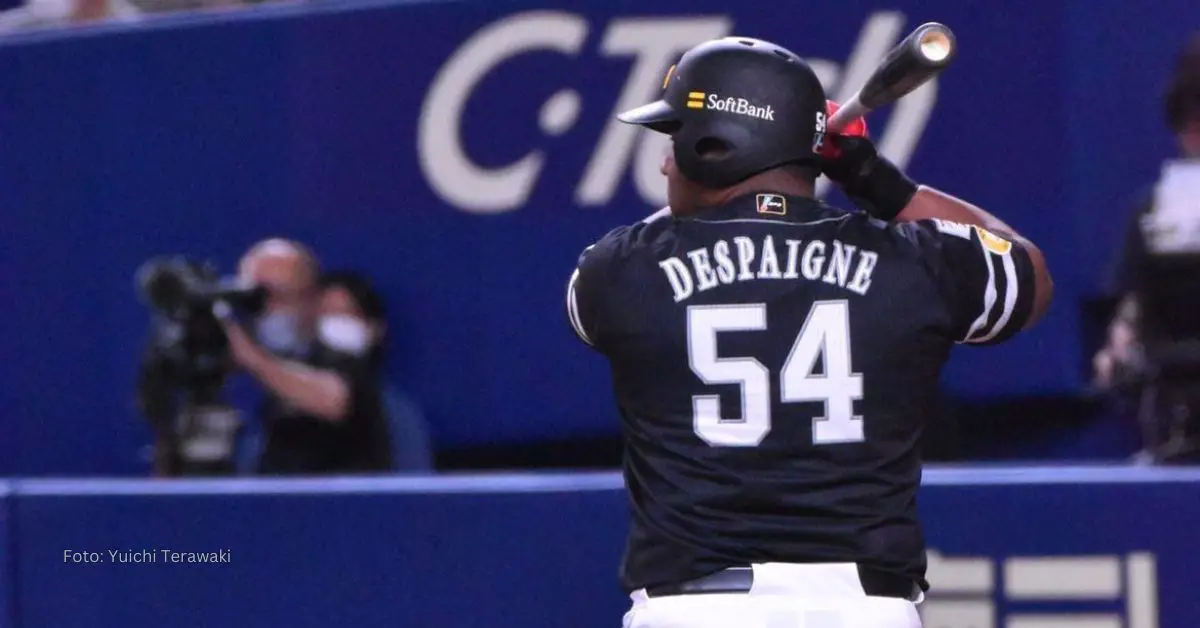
x=774 y=361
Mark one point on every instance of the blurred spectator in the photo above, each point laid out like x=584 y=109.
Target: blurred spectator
x=1153 y=343
x=354 y=320
x=57 y=13
x=325 y=412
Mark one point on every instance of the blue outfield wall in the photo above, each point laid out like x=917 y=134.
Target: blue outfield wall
x=361 y=128
x=531 y=551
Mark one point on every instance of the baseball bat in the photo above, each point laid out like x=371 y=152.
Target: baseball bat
x=922 y=55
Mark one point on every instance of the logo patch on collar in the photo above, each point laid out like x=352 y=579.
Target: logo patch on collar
x=772 y=204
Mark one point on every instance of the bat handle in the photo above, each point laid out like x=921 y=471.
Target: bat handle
x=848 y=111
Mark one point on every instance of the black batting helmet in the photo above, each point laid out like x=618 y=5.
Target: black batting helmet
x=757 y=101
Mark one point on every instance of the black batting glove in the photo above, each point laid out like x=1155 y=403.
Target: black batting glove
x=875 y=184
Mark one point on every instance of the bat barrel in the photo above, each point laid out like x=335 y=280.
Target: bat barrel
x=926 y=51
x=933 y=44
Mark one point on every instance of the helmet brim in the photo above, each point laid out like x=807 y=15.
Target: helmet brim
x=656 y=116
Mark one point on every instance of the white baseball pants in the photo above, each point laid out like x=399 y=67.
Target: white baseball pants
x=782 y=596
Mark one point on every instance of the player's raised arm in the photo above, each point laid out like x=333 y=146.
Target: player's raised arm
x=998 y=280
x=991 y=237
x=989 y=283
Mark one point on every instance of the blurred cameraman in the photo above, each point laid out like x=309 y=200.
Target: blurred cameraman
x=1153 y=345
x=324 y=412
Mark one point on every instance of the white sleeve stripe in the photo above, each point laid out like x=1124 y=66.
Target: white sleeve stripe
x=573 y=309
x=989 y=298
x=662 y=213
x=1011 y=288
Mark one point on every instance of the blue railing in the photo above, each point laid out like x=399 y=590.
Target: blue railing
x=533 y=550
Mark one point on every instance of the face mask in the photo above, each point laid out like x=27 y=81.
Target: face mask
x=344 y=333
x=279 y=331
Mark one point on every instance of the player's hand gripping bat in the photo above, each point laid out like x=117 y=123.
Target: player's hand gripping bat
x=922 y=55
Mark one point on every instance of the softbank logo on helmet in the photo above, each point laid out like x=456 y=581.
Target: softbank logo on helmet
x=740 y=106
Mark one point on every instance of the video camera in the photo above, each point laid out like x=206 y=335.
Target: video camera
x=183 y=292
x=187 y=361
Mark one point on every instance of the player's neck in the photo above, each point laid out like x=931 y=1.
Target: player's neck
x=789 y=181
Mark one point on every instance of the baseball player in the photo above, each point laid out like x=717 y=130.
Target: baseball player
x=774 y=358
